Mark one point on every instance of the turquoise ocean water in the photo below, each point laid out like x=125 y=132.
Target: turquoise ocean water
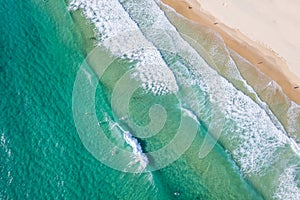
x=52 y=143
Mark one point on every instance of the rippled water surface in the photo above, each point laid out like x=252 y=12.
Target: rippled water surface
x=132 y=105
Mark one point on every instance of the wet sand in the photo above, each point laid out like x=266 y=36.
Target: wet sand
x=265 y=59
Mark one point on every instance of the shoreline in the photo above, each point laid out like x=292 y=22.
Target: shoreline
x=263 y=58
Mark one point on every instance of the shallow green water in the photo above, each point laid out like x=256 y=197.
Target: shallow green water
x=42 y=155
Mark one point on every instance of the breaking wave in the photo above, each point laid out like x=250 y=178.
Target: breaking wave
x=118 y=33
x=139 y=31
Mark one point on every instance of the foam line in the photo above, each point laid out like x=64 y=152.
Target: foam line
x=136 y=147
x=287 y=185
x=118 y=33
x=254 y=138
x=251 y=135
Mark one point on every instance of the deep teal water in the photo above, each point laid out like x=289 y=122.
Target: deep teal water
x=41 y=154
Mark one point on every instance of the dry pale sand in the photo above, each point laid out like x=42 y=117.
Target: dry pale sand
x=251 y=31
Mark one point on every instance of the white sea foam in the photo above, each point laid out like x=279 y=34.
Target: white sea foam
x=253 y=139
x=118 y=33
x=190 y=114
x=139 y=156
x=257 y=137
x=288 y=185
x=251 y=155
x=293 y=114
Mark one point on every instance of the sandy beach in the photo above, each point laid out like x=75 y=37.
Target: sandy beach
x=265 y=37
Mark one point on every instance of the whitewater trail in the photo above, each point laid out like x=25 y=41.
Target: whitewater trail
x=138 y=30
x=119 y=34
x=257 y=141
